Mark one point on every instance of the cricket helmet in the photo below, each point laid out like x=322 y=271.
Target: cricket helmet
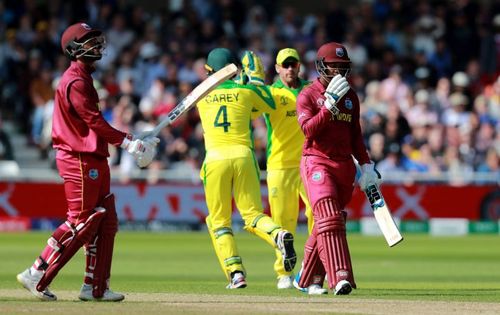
x=332 y=56
x=218 y=58
x=82 y=41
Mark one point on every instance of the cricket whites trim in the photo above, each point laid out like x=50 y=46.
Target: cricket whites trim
x=205 y=87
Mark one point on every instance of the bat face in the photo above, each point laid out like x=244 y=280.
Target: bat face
x=383 y=216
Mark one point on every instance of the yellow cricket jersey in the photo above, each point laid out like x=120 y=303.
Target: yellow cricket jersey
x=226 y=117
x=284 y=136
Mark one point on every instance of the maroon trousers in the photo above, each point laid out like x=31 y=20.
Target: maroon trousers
x=329 y=185
x=86 y=184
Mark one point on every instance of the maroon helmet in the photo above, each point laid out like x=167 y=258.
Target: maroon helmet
x=332 y=56
x=82 y=41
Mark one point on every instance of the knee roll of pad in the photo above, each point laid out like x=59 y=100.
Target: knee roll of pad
x=330 y=224
x=329 y=216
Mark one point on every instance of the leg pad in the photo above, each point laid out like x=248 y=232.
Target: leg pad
x=332 y=242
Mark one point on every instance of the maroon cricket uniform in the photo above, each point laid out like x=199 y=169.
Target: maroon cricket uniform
x=328 y=173
x=330 y=141
x=81 y=136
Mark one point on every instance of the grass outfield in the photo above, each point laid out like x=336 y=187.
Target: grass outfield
x=178 y=272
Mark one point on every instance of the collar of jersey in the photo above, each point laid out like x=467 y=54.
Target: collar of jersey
x=279 y=84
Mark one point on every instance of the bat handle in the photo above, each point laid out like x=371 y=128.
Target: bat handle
x=374 y=196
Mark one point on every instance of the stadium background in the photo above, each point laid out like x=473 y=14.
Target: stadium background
x=426 y=73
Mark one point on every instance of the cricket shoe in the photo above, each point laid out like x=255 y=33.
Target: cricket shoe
x=285 y=282
x=237 y=281
x=313 y=289
x=343 y=287
x=30 y=281
x=108 y=296
x=284 y=241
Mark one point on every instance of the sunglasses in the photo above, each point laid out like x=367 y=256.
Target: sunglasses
x=289 y=64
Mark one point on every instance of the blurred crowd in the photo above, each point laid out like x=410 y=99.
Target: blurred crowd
x=427 y=72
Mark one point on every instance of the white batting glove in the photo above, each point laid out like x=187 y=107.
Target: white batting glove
x=153 y=141
x=337 y=88
x=147 y=156
x=142 y=150
x=369 y=176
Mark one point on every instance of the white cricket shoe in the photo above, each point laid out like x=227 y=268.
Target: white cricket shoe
x=313 y=289
x=30 y=281
x=285 y=282
x=343 y=287
x=284 y=241
x=238 y=281
x=108 y=296
x=316 y=289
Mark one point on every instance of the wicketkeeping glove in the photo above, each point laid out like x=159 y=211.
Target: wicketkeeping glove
x=337 y=88
x=253 y=71
x=369 y=176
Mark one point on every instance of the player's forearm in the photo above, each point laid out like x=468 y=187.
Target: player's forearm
x=314 y=125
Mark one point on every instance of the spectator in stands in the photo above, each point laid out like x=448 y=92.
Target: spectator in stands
x=407 y=46
x=6 y=149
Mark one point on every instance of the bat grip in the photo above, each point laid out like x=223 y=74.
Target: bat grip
x=374 y=196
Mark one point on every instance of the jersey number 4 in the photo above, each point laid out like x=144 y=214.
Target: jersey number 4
x=221 y=118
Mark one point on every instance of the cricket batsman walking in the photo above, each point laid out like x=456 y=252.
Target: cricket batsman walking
x=81 y=136
x=284 y=146
x=328 y=113
x=230 y=168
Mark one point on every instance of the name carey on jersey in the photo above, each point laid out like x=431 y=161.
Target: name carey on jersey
x=224 y=97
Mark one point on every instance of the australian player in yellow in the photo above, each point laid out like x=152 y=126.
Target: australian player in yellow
x=230 y=168
x=284 y=147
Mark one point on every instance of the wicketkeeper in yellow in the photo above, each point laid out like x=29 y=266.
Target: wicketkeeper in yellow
x=284 y=145
x=230 y=169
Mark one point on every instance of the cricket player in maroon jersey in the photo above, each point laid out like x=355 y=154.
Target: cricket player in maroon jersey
x=328 y=113
x=81 y=136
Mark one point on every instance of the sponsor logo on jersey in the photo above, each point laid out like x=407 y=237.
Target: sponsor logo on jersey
x=320 y=102
x=342 y=117
x=93 y=173
x=348 y=103
x=291 y=113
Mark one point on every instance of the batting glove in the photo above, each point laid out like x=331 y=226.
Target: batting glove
x=142 y=150
x=146 y=157
x=253 y=71
x=369 y=176
x=337 y=88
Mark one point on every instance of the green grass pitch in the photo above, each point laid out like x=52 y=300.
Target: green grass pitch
x=421 y=268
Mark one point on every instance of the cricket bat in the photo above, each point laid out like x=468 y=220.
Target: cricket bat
x=196 y=94
x=383 y=216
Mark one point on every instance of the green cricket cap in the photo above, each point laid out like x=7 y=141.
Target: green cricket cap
x=285 y=54
x=218 y=58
